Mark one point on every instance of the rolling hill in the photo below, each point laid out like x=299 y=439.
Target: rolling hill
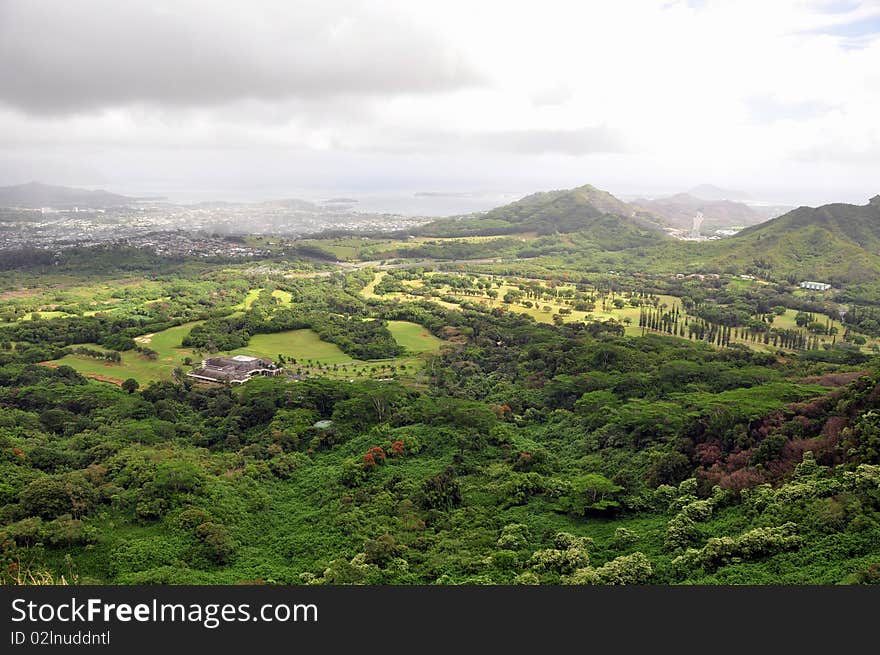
x=612 y=222
x=837 y=243
x=34 y=195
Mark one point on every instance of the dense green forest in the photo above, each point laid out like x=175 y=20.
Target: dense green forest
x=572 y=451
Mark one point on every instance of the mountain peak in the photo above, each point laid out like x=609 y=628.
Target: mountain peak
x=607 y=220
x=35 y=194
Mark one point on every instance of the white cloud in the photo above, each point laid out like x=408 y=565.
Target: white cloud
x=631 y=95
x=60 y=57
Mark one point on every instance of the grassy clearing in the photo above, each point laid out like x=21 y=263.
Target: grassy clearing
x=316 y=357
x=96 y=312
x=296 y=344
x=167 y=342
x=369 y=291
x=249 y=299
x=43 y=315
x=787 y=321
x=542 y=315
x=414 y=337
x=135 y=365
x=285 y=297
x=342 y=252
x=312 y=355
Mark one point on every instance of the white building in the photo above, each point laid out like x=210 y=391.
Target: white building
x=815 y=286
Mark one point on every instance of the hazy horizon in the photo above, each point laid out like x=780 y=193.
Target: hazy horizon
x=419 y=201
x=204 y=101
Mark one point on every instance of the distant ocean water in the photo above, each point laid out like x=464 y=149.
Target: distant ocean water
x=430 y=204
x=407 y=203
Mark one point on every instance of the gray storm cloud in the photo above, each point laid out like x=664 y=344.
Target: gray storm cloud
x=643 y=96
x=61 y=57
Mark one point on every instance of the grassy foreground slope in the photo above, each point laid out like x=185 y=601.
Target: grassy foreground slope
x=532 y=454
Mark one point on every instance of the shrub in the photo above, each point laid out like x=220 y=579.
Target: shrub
x=382 y=550
x=527 y=578
x=143 y=554
x=623 y=538
x=514 y=536
x=570 y=553
x=698 y=510
x=750 y=545
x=52 y=496
x=625 y=570
x=218 y=545
x=190 y=518
x=680 y=532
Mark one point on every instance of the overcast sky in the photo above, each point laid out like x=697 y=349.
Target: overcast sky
x=780 y=98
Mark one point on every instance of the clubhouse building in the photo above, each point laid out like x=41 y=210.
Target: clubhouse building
x=234 y=370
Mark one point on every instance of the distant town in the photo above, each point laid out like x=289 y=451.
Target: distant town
x=200 y=230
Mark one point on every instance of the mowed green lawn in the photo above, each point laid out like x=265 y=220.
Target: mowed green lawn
x=297 y=344
x=414 y=337
x=301 y=345
x=314 y=356
x=135 y=365
x=787 y=321
x=306 y=344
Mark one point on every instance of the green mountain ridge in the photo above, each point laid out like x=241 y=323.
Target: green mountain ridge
x=612 y=223
x=838 y=243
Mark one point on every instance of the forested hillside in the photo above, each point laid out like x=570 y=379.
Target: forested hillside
x=838 y=243
x=523 y=452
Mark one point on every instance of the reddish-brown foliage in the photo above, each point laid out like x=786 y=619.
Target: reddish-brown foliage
x=832 y=428
x=738 y=460
x=813 y=408
x=740 y=479
x=834 y=379
x=708 y=453
x=377 y=452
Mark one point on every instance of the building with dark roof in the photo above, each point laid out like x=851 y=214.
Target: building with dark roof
x=234 y=370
